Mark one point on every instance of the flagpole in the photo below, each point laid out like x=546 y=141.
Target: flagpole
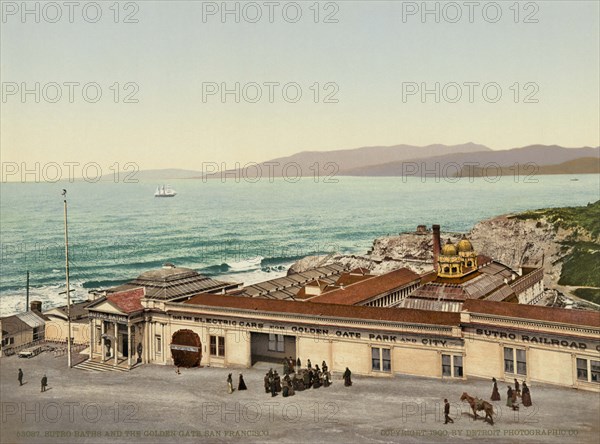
x=68 y=286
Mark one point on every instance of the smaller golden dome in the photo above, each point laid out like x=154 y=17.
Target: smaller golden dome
x=464 y=245
x=449 y=249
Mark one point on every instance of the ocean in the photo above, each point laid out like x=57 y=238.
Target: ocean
x=244 y=232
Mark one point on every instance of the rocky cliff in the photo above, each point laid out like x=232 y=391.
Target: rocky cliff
x=514 y=240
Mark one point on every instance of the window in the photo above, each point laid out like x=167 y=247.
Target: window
x=381 y=359
x=512 y=355
x=452 y=366
x=458 y=369
x=217 y=346
x=588 y=370
x=582 y=372
x=276 y=343
x=158 y=341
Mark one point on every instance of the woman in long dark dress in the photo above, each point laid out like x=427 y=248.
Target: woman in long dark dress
x=526 y=395
x=495 y=392
x=242 y=384
x=347 y=377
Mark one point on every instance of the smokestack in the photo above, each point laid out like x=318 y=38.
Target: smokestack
x=436 y=245
x=36 y=306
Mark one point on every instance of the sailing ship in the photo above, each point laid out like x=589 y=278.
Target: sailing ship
x=164 y=192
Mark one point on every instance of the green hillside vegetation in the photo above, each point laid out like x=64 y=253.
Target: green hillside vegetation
x=589 y=294
x=581 y=267
x=587 y=217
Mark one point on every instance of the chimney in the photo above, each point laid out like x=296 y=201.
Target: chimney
x=36 y=306
x=436 y=245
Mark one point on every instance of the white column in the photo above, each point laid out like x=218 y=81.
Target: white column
x=163 y=343
x=129 y=344
x=116 y=344
x=92 y=330
x=102 y=345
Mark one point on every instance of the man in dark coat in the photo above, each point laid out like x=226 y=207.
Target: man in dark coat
x=306 y=380
x=517 y=389
x=298 y=363
x=20 y=377
x=324 y=367
x=286 y=366
x=272 y=386
x=267 y=386
x=277 y=380
x=447 y=412
x=44 y=383
x=347 y=377
x=308 y=364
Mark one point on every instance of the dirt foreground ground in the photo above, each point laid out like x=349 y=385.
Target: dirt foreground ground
x=154 y=404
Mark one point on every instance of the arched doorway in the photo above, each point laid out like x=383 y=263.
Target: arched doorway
x=186 y=348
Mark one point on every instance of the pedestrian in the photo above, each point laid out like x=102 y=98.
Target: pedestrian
x=517 y=389
x=495 y=392
x=20 y=377
x=241 y=383
x=44 y=383
x=306 y=379
x=511 y=398
x=347 y=377
x=229 y=384
x=272 y=386
x=447 y=412
x=526 y=395
x=291 y=391
x=308 y=364
x=277 y=380
x=267 y=386
x=286 y=367
x=324 y=367
x=291 y=364
x=298 y=363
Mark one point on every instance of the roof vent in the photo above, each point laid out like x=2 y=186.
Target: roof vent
x=168 y=265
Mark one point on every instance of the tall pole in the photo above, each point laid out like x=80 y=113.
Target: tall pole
x=27 y=293
x=68 y=286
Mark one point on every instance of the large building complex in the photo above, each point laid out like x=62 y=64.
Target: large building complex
x=471 y=317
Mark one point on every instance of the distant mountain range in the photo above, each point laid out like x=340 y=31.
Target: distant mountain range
x=398 y=160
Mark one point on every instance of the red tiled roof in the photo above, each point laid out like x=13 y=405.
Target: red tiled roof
x=363 y=290
x=128 y=301
x=551 y=314
x=327 y=310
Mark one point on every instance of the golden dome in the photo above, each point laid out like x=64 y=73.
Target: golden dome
x=449 y=249
x=464 y=245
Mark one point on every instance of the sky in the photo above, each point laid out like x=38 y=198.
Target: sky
x=339 y=75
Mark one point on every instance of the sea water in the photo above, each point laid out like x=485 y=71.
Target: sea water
x=235 y=231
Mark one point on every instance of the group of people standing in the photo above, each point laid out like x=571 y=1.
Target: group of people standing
x=44 y=381
x=295 y=378
x=241 y=383
x=512 y=395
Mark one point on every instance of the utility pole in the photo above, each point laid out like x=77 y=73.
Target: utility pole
x=64 y=193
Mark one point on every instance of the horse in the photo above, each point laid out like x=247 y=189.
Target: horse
x=478 y=405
